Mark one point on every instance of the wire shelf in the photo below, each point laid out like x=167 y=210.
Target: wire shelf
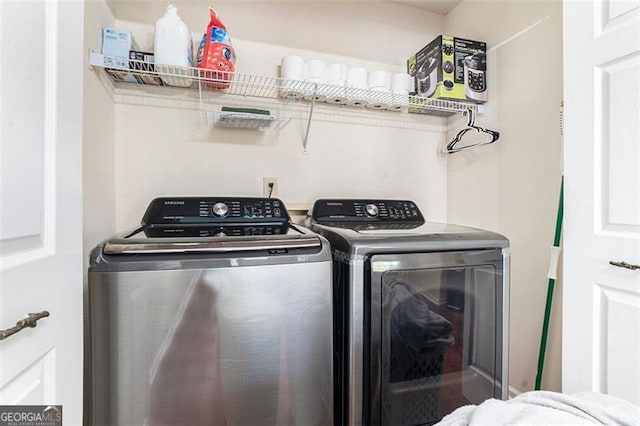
x=211 y=82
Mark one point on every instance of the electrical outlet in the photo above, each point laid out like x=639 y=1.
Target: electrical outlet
x=267 y=190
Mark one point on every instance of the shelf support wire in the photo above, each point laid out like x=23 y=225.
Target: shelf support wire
x=203 y=112
x=313 y=102
x=287 y=115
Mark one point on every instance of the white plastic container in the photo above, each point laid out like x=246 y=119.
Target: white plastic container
x=173 y=49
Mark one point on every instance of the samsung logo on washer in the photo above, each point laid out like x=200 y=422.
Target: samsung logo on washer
x=174 y=203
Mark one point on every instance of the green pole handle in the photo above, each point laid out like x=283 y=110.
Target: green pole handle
x=547 y=311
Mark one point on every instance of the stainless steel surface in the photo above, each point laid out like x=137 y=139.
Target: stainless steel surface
x=220 y=209
x=356 y=340
x=428 y=237
x=372 y=210
x=29 y=322
x=354 y=246
x=506 y=297
x=623 y=264
x=223 y=330
x=241 y=346
x=209 y=245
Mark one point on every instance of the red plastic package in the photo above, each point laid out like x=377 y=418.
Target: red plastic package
x=216 y=57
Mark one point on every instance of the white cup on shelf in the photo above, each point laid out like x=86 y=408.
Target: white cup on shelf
x=315 y=72
x=379 y=83
x=400 y=87
x=292 y=71
x=357 y=86
x=336 y=84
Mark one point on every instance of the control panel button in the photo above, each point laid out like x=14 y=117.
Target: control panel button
x=372 y=210
x=220 y=233
x=220 y=209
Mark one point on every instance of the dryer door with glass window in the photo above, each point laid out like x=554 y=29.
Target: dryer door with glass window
x=435 y=336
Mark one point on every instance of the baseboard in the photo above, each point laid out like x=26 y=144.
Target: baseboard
x=513 y=392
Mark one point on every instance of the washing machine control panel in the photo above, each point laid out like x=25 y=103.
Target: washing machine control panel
x=387 y=211
x=215 y=210
x=220 y=230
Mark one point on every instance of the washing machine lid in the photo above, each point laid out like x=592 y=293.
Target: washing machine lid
x=213 y=225
x=391 y=230
x=140 y=241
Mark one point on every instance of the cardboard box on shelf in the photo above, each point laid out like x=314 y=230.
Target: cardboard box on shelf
x=147 y=67
x=116 y=45
x=137 y=55
x=450 y=68
x=128 y=74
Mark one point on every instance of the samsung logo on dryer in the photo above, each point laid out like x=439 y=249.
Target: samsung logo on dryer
x=174 y=203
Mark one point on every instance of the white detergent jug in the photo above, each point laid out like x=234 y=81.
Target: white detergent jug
x=173 y=49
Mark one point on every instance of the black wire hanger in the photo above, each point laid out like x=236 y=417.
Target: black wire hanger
x=471 y=125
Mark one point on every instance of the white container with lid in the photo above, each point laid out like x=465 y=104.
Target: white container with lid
x=173 y=49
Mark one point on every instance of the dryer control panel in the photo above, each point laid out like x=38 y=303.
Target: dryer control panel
x=367 y=211
x=210 y=210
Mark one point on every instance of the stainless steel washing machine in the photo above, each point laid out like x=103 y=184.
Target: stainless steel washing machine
x=421 y=312
x=214 y=311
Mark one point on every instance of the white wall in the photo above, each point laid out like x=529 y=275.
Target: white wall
x=98 y=145
x=166 y=151
x=370 y=30
x=512 y=187
x=98 y=180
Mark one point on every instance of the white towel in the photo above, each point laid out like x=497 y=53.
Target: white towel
x=548 y=408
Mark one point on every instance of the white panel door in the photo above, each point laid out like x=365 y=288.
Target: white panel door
x=601 y=302
x=41 y=56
